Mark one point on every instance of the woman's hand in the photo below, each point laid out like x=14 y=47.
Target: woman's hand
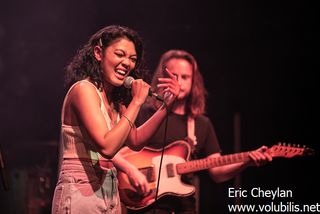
x=139 y=91
x=169 y=87
x=139 y=181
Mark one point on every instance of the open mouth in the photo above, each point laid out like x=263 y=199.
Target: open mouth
x=121 y=74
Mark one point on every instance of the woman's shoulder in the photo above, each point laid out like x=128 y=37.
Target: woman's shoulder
x=83 y=85
x=83 y=88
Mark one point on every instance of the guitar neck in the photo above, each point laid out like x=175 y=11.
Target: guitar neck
x=206 y=163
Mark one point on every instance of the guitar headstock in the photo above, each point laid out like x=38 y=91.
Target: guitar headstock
x=288 y=151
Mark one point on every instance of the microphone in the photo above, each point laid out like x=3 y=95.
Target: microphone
x=128 y=81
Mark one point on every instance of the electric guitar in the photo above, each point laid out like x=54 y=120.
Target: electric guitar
x=174 y=165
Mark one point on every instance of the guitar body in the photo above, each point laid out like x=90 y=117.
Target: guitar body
x=148 y=162
x=174 y=165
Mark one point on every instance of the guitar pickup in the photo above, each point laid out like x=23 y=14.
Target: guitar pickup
x=170 y=171
x=149 y=173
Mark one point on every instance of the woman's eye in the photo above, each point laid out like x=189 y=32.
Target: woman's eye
x=119 y=54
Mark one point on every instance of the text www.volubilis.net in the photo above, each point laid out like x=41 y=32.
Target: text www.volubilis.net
x=281 y=207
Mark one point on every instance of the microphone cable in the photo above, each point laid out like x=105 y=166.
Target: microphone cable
x=161 y=157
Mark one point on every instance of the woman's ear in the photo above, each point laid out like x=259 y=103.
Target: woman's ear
x=97 y=50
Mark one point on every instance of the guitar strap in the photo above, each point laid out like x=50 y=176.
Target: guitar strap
x=192 y=140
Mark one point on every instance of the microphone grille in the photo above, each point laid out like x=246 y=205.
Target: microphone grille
x=128 y=81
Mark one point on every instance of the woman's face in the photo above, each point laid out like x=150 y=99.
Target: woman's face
x=182 y=69
x=117 y=61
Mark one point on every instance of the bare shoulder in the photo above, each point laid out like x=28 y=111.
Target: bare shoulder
x=83 y=88
x=83 y=92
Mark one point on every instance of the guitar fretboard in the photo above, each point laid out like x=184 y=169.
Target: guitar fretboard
x=206 y=163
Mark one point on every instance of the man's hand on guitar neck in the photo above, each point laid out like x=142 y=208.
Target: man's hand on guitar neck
x=260 y=157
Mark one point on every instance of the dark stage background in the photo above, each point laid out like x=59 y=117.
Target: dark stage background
x=257 y=57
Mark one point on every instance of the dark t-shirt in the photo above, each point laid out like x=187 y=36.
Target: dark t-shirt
x=207 y=142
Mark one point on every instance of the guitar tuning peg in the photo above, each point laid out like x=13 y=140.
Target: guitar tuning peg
x=289 y=144
x=294 y=145
x=298 y=145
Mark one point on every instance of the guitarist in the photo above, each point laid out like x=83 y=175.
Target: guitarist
x=189 y=106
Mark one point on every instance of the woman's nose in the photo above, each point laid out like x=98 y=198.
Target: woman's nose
x=125 y=63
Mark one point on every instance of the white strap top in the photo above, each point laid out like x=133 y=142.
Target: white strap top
x=75 y=141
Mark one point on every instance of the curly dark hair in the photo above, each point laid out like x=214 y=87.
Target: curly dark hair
x=84 y=63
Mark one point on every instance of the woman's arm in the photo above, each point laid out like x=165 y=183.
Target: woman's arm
x=136 y=178
x=139 y=136
x=86 y=104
